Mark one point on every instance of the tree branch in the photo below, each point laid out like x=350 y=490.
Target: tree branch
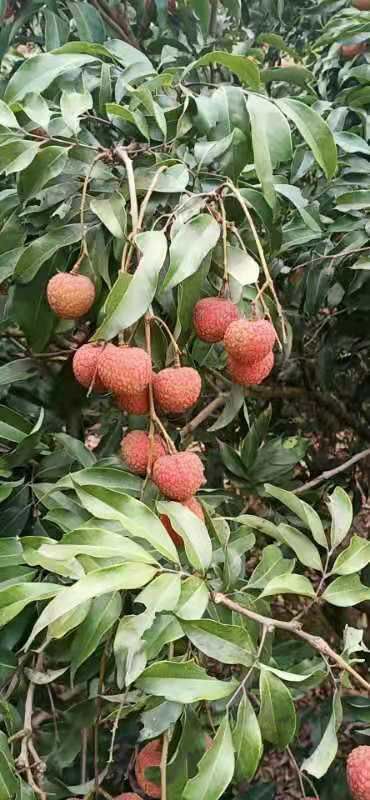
x=330 y=473
x=295 y=628
x=117 y=21
x=203 y=415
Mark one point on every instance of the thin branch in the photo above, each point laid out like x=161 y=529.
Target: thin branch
x=155 y=422
x=330 y=473
x=164 y=757
x=295 y=628
x=203 y=415
x=139 y=224
x=125 y=158
x=121 y=27
x=84 y=250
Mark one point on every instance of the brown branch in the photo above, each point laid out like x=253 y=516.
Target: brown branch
x=294 y=627
x=117 y=21
x=330 y=473
x=203 y=415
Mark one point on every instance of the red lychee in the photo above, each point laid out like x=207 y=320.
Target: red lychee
x=125 y=369
x=128 y=796
x=135 y=450
x=70 y=296
x=250 y=374
x=179 y=476
x=150 y=756
x=212 y=316
x=249 y=340
x=194 y=505
x=85 y=366
x=137 y=404
x=358 y=773
x=176 y=389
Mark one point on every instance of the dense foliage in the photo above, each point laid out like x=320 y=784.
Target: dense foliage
x=171 y=152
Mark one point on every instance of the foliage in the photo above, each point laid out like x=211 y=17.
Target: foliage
x=170 y=150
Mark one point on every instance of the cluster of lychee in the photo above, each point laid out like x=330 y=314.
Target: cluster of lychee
x=248 y=343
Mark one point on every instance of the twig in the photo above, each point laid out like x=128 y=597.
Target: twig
x=165 y=743
x=123 y=30
x=203 y=415
x=83 y=755
x=137 y=228
x=84 y=250
x=295 y=628
x=27 y=746
x=242 y=685
x=330 y=473
x=115 y=729
x=123 y=156
x=224 y=241
x=154 y=419
x=301 y=777
x=171 y=337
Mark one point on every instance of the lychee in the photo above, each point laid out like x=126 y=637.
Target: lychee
x=70 y=296
x=349 y=51
x=137 y=404
x=249 y=340
x=127 y=796
x=149 y=757
x=250 y=374
x=85 y=366
x=194 y=505
x=212 y=316
x=179 y=476
x=125 y=369
x=176 y=389
x=358 y=773
x=137 y=448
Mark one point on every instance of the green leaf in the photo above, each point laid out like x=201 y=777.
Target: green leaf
x=354 y=201
x=234 y=402
x=245 y=68
x=351 y=143
x=38 y=72
x=103 y=613
x=302 y=510
x=159 y=719
x=193 y=531
x=128 y=304
x=72 y=105
x=272 y=565
x=216 y=768
x=292 y=74
x=47 y=164
x=96 y=583
x=165 y=629
x=43 y=248
x=258 y=109
x=193 y=599
x=97 y=543
x=301 y=545
x=76 y=449
x=129 y=647
x=277 y=717
x=247 y=741
x=229 y=644
x=173 y=179
x=190 y=246
x=289 y=584
x=162 y=594
x=136 y=118
x=17 y=155
x=37 y=109
x=90 y=26
x=15 y=598
x=354 y=558
x=112 y=212
x=346 y=591
x=341 y=513
x=7 y=118
x=8 y=779
x=315 y=131
x=19 y=370
x=183 y=682
x=295 y=196
x=56 y=30
x=137 y=519
x=319 y=762
x=203 y=12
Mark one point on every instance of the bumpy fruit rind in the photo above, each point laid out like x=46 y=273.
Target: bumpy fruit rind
x=176 y=389
x=70 y=296
x=128 y=796
x=250 y=374
x=358 y=773
x=137 y=404
x=193 y=505
x=149 y=756
x=125 y=369
x=85 y=366
x=178 y=476
x=136 y=449
x=212 y=316
x=249 y=340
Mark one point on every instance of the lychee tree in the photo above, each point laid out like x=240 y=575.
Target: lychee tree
x=159 y=569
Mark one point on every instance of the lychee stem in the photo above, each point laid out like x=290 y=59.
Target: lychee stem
x=154 y=419
x=137 y=222
x=173 y=341
x=224 y=242
x=84 y=251
x=236 y=233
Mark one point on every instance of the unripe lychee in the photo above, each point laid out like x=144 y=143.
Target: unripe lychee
x=194 y=505
x=85 y=366
x=136 y=449
x=137 y=404
x=70 y=296
x=212 y=316
x=249 y=340
x=176 y=389
x=358 y=773
x=125 y=369
x=179 y=476
x=250 y=374
x=150 y=756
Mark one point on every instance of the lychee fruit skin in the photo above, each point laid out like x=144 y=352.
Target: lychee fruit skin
x=128 y=796
x=85 y=365
x=358 y=773
x=250 y=374
x=176 y=389
x=70 y=296
x=249 y=340
x=135 y=451
x=194 y=505
x=137 y=404
x=178 y=476
x=212 y=316
x=149 y=756
x=125 y=370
